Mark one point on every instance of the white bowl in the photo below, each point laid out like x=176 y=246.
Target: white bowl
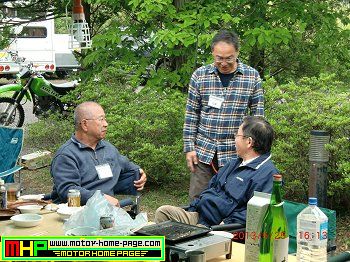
x=80 y=231
x=34 y=209
x=66 y=212
x=27 y=220
x=31 y=197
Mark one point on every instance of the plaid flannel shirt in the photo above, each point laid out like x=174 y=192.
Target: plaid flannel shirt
x=207 y=129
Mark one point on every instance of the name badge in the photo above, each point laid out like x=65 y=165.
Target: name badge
x=215 y=101
x=104 y=171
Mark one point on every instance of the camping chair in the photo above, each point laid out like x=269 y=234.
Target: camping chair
x=11 y=141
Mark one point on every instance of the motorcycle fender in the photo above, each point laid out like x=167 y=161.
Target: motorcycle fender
x=9 y=88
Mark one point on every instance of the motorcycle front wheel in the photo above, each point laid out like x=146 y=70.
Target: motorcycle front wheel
x=10 y=113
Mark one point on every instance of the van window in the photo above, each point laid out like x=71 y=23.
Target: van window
x=33 y=32
x=8 y=12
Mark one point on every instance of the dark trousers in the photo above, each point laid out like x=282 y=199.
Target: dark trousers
x=201 y=177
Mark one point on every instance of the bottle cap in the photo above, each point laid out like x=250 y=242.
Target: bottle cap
x=313 y=201
x=277 y=178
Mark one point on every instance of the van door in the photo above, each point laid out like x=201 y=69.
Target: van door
x=35 y=44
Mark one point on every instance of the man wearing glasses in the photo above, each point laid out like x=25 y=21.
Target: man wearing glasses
x=219 y=96
x=226 y=197
x=87 y=162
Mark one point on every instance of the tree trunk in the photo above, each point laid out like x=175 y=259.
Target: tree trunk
x=257 y=60
x=87 y=13
x=257 y=56
x=179 y=4
x=178 y=61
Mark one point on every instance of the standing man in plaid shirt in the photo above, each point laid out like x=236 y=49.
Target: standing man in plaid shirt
x=219 y=96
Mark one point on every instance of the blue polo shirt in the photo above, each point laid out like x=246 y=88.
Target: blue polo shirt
x=230 y=190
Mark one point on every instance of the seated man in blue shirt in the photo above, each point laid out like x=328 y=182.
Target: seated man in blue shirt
x=87 y=162
x=225 y=199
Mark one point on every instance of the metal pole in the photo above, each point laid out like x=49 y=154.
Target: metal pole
x=318 y=157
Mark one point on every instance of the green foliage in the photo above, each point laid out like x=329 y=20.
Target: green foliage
x=296 y=108
x=287 y=40
x=4 y=37
x=49 y=133
x=283 y=39
x=145 y=126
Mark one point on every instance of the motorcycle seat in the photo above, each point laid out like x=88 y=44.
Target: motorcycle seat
x=64 y=87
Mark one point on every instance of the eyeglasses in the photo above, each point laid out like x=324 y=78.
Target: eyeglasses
x=101 y=118
x=242 y=136
x=229 y=60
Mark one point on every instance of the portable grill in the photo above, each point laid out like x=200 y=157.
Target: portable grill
x=181 y=239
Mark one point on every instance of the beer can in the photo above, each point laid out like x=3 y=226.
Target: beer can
x=106 y=221
x=73 y=198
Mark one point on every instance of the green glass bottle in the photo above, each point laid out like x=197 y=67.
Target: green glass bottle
x=274 y=232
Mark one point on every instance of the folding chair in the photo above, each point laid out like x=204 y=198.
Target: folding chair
x=11 y=142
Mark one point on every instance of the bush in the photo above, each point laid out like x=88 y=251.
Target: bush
x=49 y=133
x=294 y=109
x=145 y=126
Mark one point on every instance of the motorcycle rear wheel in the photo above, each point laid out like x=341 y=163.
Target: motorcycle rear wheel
x=17 y=118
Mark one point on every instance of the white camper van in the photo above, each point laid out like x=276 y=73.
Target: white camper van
x=8 y=65
x=38 y=43
x=64 y=58
x=34 y=42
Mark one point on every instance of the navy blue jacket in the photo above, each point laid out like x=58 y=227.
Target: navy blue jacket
x=229 y=191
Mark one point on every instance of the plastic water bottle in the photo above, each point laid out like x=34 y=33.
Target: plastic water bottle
x=312 y=231
x=3 y=195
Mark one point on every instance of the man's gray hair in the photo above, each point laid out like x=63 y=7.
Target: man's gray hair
x=83 y=111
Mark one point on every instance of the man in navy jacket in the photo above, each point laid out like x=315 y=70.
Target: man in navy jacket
x=229 y=191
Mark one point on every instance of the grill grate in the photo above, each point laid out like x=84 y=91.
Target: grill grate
x=173 y=231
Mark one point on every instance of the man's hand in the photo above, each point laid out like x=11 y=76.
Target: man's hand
x=192 y=160
x=112 y=200
x=139 y=184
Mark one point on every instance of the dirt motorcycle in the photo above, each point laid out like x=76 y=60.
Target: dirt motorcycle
x=32 y=86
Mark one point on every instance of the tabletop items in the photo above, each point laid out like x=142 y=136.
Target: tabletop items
x=3 y=195
x=65 y=211
x=34 y=209
x=312 y=229
x=27 y=220
x=7 y=213
x=274 y=235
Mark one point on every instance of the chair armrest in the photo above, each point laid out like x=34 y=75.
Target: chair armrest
x=228 y=227
x=126 y=202
x=10 y=171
